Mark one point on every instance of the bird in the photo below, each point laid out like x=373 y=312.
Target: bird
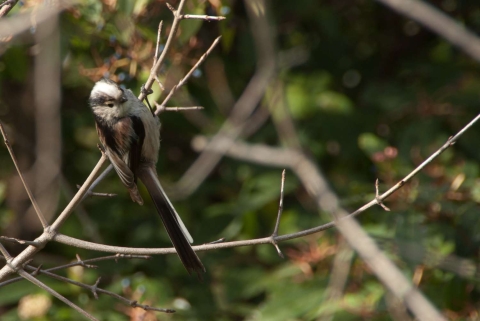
x=129 y=133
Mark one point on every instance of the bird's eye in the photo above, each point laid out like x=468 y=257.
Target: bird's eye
x=110 y=104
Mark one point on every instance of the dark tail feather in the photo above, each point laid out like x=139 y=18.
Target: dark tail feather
x=169 y=218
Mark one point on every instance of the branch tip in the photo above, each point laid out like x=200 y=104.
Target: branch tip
x=95 y=287
x=172 y=9
x=18 y=241
x=85 y=265
x=217 y=241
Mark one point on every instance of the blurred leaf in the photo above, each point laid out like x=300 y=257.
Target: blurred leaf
x=371 y=144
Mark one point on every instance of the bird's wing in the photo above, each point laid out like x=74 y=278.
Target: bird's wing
x=135 y=153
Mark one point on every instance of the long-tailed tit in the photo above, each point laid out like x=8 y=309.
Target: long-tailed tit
x=130 y=135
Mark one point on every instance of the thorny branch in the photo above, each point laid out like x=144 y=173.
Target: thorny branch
x=15 y=264
x=270 y=156
x=83 y=263
x=50 y=233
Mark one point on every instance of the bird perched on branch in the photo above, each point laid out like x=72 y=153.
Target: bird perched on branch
x=130 y=135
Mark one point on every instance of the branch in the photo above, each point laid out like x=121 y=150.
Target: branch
x=55 y=294
x=316 y=185
x=95 y=290
x=156 y=67
x=6 y=6
x=84 y=263
x=12 y=26
x=187 y=76
x=90 y=193
x=438 y=22
x=243 y=108
x=79 y=196
x=40 y=215
x=203 y=17
x=162 y=109
x=50 y=231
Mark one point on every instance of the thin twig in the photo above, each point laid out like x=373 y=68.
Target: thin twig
x=377 y=197
x=49 y=232
x=40 y=215
x=203 y=17
x=158 y=42
x=84 y=263
x=18 y=241
x=5 y=253
x=279 y=216
x=42 y=285
x=217 y=241
x=187 y=76
x=90 y=193
x=12 y=26
x=280 y=204
x=173 y=32
x=245 y=105
x=79 y=196
x=6 y=6
x=162 y=109
x=437 y=21
x=95 y=289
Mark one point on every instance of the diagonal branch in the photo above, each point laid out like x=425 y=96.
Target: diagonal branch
x=84 y=263
x=50 y=231
x=177 y=14
x=42 y=285
x=187 y=76
x=40 y=215
x=95 y=290
x=438 y=22
x=6 y=6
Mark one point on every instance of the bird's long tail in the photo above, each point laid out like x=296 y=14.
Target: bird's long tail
x=176 y=230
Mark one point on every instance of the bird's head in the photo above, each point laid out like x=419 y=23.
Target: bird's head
x=108 y=99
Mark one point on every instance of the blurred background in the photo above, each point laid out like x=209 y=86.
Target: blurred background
x=363 y=91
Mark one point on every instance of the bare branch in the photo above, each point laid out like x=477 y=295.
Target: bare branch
x=187 y=76
x=95 y=290
x=173 y=32
x=6 y=6
x=158 y=42
x=279 y=216
x=50 y=231
x=243 y=108
x=55 y=294
x=90 y=193
x=40 y=215
x=5 y=253
x=84 y=263
x=438 y=22
x=203 y=17
x=18 y=241
x=377 y=197
x=162 y=109
x=12 y=26
x=79 y=196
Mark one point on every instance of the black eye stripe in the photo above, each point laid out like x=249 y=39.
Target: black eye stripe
x=101 y=101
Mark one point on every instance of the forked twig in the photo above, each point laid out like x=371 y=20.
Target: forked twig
x=187 y=76
x=42 y=285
